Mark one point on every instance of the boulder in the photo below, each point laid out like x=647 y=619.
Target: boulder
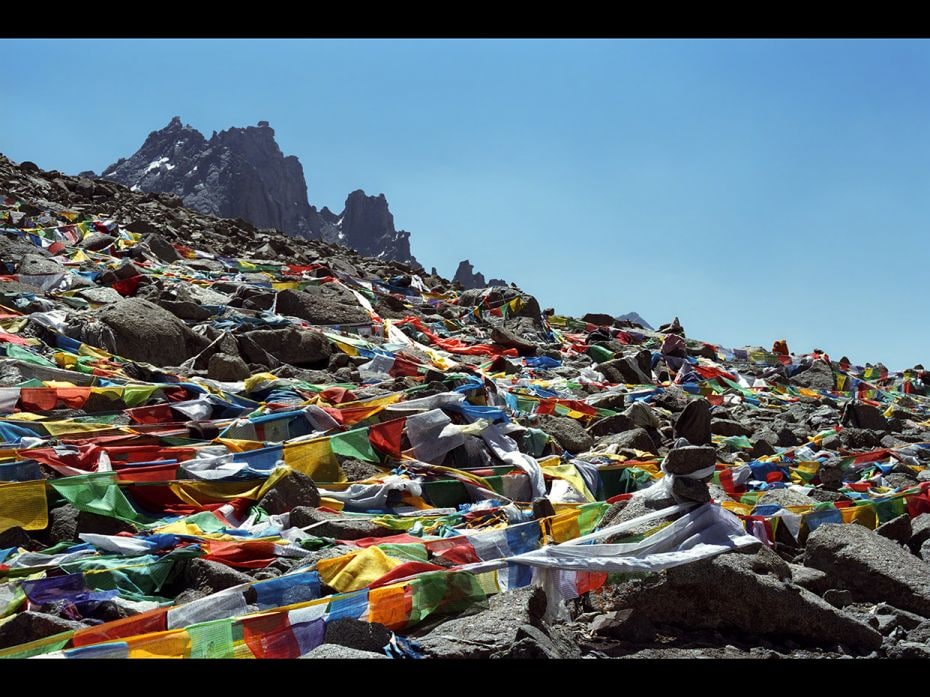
x=512 y=627
x=338 y=526
x=133 y=323
x=66 y=522
x=873 y=568
x=362 y=636
x=293 y=490
x=337 y=651
x=568 y=433
x=897 y=529
x=690 y=459
x=30 y=626
x=751 y=594
x=210 y=577
x=694 y=423
x=637 y=439
x=618 y=423
x=226 y=368
x=290 y=345
x=818 y=377
x=316 y=308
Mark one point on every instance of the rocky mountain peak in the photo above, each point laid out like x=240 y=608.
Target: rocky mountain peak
x=241 y=172
x=466 y=275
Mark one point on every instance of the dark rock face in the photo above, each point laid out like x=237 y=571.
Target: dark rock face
x=367 y=226
x=469 y=278
x=237 y=173
x=241 y=173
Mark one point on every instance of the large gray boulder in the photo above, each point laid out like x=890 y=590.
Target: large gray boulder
x=872 y=567
x=751 y=594
x=512 y=627
x=336 y=525
x=818 y=377
x=290 y=345
x=30 y=626
x=292 y=490
x=142 y=331
x=567 y=432
x=316 y=308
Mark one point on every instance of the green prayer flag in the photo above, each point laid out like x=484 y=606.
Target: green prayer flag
x=97 y=492
x=355 y=445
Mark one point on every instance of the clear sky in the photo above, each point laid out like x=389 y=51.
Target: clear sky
x=758 y=189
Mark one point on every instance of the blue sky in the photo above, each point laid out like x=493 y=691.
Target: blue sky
x=758 y=189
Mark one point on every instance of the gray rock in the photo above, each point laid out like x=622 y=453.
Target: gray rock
x=210 y=576
x=502 y=336
x=818 y=377
x=66 y=522
x=227 y=368
x=920 y=531
x=897 y=529
x=813 y=580
x=865 y=416
x=30 y=626
x=336 y=651
x=161 y=248
x=99 y=294
x=690 y=490
x=35 y=265
x=690 y=459
x=761 y=448
x=319 y=309
x=701 y=595
x=694 y=423
x=133 y=323
x=624 y=625
x=14 y=537
x=785 y=497
x=637 y=439
x=338 y=526
x=96 y=241
x=624 y=370
x=618 y=423
x=363 y=636
x=642 y=415
x=356 y=470
x=512 y=627
x=838 y=597
x=293 y=490
x=189 y=595
x=728 y=427
x=294 y=346
x=568 y=433
x=872 y=567
x=909 y=649
x=186 y=310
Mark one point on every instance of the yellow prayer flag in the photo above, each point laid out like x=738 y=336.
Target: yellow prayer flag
x=356 y=570
x=23 y=505
x=170 y=644
x=314 y=458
